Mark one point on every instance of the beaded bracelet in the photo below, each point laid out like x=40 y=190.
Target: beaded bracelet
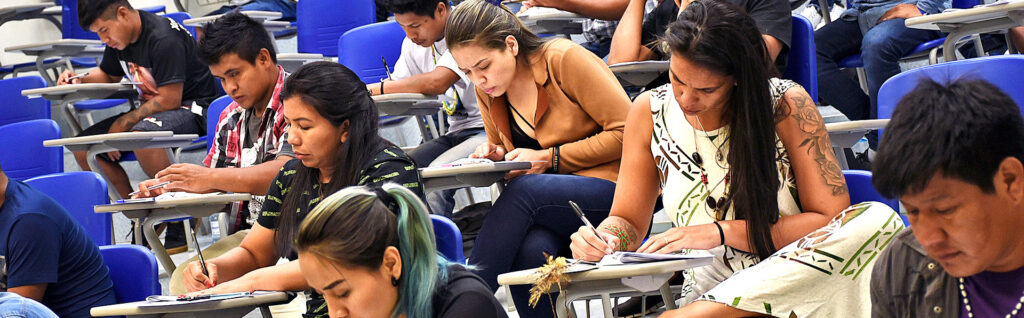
x=621 y=233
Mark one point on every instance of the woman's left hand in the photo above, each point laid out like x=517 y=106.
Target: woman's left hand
x=699 y=237
x=540 y=160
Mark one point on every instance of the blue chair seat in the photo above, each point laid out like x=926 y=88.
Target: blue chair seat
x=132 y=270
x=95 y=104
x=851 y=62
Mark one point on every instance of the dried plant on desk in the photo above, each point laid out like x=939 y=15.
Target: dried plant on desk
x=551 y=273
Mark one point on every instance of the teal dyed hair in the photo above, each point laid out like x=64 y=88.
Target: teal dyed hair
x=353 y=227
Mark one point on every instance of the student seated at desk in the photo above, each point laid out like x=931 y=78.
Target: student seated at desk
x=251 y=142
x=637 y=36
x=552 y=103
x=746 y=171
x=426 y=66
x=46 y=255
x=371 y=253
x=176 y=87
x=336 y=143
x=952 y=154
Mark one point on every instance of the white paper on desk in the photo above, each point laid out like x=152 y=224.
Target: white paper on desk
x=626 y=258
x=182 y=195
x=532 y=11
x=467 y=162
x=166 y=301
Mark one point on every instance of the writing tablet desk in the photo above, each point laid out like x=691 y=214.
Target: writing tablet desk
x=124 y=141
x=29 y=11
x=847 y=133
x=472 y=175
x=607 y=280
x=416 y=105
x=235 y=307
x=65 y=96
x=960 y=23
x=58 y=48
x=638 y=74
x=553 y=22
x=263 y=17
x=149 y=214
x=292 y=61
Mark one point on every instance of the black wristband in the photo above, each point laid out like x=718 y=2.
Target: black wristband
x=721 y=233
x=382 y=87
x=555 y=160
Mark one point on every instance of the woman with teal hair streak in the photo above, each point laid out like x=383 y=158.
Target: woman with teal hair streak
x=369 y=261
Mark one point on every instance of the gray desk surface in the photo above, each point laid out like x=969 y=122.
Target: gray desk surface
x=83 y=91
x=408 y=104
x=90 y=47
x=235 y=307
x=972 y=15
x=639 y=73
x=259 y=16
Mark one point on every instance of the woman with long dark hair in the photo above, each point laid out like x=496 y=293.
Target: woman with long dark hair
x=371 y=253
x=333 y=130
x=746 y=171
x=551 y=103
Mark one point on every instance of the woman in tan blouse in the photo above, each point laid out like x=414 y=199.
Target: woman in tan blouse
x=552 y=103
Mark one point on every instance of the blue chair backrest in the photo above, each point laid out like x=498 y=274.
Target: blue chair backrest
x=802 y=66
x=449 y=239
x=355 y=52
x=69 y=22
x=213 y=116
x=23 y=155
x=1002 y=71
x=965 y=4
x=180 y=17
x=319 y=23
x=861 y=190
x=78 y=192
x=18 y=108
x=133 y=271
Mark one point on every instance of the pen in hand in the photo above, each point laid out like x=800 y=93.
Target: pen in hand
x=153 y=187
x=579 y=213
x=386 y=69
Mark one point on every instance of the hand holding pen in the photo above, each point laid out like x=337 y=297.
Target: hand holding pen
x=588 y=243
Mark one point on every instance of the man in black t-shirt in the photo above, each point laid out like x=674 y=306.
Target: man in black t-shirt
x=160 y=54
x=175 y=86
x=636 y=38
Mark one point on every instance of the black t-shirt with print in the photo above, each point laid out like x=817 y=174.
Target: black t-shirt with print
x=773 y=17
x=465 y=295
x=168 y=51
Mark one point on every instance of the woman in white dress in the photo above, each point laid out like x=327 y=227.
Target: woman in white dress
x=746 y=171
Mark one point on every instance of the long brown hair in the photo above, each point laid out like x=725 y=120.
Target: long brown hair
x=483 y=23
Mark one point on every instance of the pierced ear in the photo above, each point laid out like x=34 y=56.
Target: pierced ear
x=512 y=44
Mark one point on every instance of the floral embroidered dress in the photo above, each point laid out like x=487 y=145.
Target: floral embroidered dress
x=825 y=274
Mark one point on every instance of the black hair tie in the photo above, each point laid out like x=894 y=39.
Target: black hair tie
x=385 y=197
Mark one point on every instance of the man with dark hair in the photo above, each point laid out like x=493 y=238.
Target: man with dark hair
x=952 y=153
x=427 y=67
x=46 y=256
x=176 y=87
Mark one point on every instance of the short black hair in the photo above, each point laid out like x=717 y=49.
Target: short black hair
x=962 y=130
x=423 y=8
x=234 y=33
x=91 y=10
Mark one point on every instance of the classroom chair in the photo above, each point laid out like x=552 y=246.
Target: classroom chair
x=87 y=189
x=23 y=155
x=18 y=108
x=365 y=60
x=1003 y=71
x=448 y=239
x=319 y=23
x=133 y=271
x=802 y=66
x=931 y=48
x=180 y=17
x=861 y=190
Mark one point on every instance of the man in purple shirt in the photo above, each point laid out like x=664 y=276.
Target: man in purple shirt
x=953 y=154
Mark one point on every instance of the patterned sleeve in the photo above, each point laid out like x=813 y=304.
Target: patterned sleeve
x=392 y=165
x=275 y=195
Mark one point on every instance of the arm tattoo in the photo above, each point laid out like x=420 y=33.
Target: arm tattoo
x=810 y=122
x=625 y=233
x=127 y=121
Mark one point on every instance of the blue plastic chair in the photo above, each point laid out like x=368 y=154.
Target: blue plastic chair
x=1003 y=71
x=89 y=190
x=132 y=270
x=23 y=155
x=861 y=190
x=365 y=60
x=18 y=108
x=449 y=239
x=802 y=66
x=213 y=117
x=319 y=23
x=180 y=17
